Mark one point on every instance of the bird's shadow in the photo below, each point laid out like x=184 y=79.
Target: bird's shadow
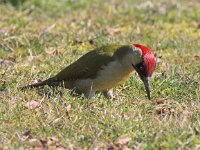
x=51 y=92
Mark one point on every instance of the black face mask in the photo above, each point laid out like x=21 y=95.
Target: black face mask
x=141 y=69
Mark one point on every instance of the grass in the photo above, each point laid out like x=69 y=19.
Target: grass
x=39 y=38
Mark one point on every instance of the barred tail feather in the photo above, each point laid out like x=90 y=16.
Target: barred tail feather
x=49 y=82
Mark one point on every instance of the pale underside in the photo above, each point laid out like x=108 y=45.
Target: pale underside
x=97 y=71
x=108 y=77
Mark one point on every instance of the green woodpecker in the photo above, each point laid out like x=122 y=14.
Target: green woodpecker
x=104 y=68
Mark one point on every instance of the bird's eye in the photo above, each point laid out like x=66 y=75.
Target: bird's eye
x=142 y=68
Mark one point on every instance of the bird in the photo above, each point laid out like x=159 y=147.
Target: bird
x=103 y=68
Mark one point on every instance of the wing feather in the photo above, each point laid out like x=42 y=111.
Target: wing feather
x=88 y=65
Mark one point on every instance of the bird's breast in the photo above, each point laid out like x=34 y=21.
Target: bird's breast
x=111 y=75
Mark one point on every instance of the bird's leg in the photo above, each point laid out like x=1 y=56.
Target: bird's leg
x=108 y=94
x=89 y=94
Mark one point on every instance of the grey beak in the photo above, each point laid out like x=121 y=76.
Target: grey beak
x=146 y=81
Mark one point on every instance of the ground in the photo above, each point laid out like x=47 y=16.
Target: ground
x=39 y=38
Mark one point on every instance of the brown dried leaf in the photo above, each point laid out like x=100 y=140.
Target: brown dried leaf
x=69 y=107
x=155 y=47
x=2 y=82
x=158 y=58
x=91 y=41
x=43 y=143
x=5 y=63
x=68 y=110
x=3 y=147
x=77 y=40
x=112 y=31
x=161 y=63
x=138 y=30
x=158 y=102
x=198 y=25
x=145 y=5
x=197 y=57
x=12 y=58
x=49 y=29
x=26 y=135
x=55 y=53
x=122 y=143
x=165 y=111
x=51 y=144
x=32 y=104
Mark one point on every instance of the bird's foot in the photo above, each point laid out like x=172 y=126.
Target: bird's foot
x=109 y=94
x=90 y=94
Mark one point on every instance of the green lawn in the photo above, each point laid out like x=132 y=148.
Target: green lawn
x=38 y=38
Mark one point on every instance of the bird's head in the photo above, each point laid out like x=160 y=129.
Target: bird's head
x=145 y=65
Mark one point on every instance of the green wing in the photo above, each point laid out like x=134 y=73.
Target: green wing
x=88 y=65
